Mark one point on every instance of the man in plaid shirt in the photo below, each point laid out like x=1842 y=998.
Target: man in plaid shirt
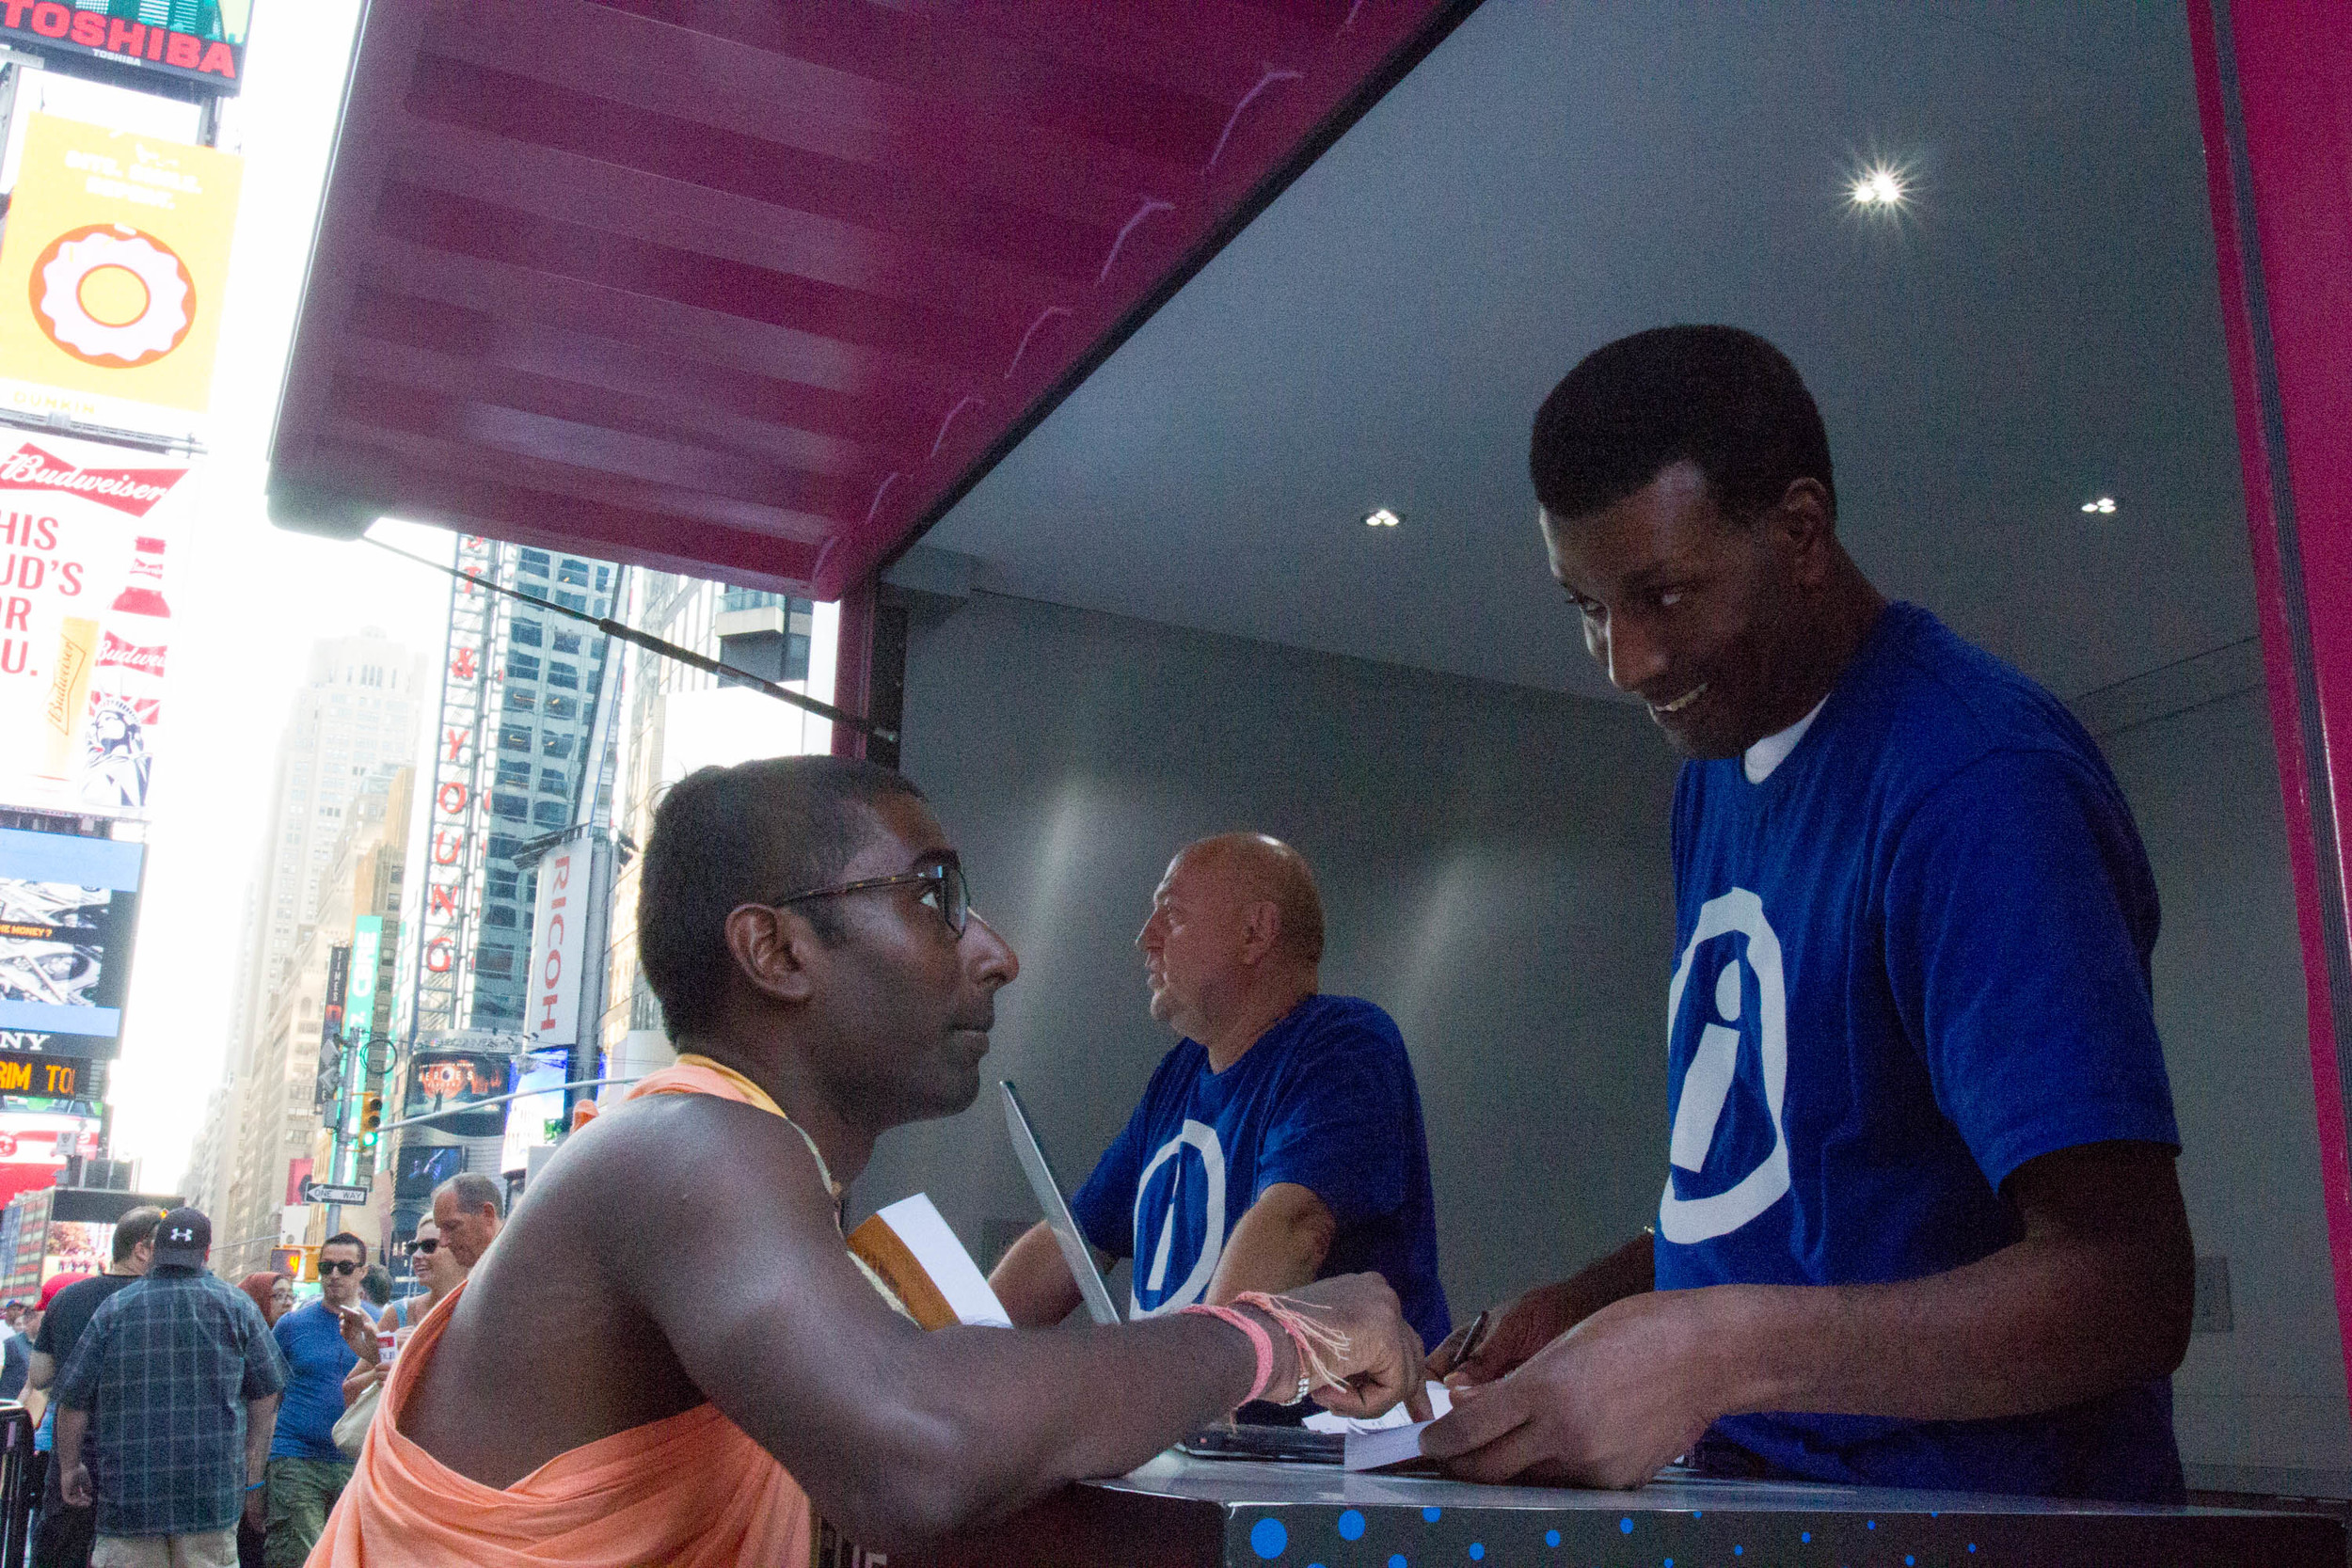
x=176 y=1380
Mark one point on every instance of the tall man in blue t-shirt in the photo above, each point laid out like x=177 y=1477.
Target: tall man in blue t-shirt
x=306 y=1472
x=1920 y=1225
x=1280 y=1141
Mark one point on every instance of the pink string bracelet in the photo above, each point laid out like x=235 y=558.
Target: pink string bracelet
x=1261 y=1342
x=1314 y=1344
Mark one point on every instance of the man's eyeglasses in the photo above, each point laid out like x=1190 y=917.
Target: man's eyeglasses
x=341 y=1266
x=943 y=889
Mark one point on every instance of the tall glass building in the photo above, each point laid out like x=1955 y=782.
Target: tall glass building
x=517 y=756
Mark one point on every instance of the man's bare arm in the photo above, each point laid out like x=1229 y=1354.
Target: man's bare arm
x=1033 y=1281
x=1278 y=1244
x=2094 y=1297
x=42 y=1372
x=73 y=1475
x=895 y=1435
x=261 y=1425
x=1527 y=1324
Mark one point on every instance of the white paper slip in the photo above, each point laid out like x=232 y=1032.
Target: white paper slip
x=1440 y=1401
x=1378 y=1450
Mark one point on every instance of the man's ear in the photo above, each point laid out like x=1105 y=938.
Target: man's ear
x=1262 y=928
x=773 y=950
x=1804 y=529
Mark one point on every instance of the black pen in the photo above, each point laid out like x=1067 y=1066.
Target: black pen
x=1471 y=1340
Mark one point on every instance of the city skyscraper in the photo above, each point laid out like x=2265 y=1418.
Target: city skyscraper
x=516 y=743
x=353 y=723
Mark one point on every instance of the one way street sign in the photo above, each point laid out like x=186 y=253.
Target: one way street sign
x=324 y=1192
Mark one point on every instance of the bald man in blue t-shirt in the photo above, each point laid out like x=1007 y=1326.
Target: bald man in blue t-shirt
x=1280 y=1142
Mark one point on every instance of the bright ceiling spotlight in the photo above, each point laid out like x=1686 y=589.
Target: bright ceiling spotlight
x=1879 y=186
x=2104 y=505
x=1383 y=517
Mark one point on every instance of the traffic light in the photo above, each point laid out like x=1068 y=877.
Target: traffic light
x=371 y=1117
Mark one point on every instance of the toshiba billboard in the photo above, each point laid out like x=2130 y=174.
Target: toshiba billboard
x=180 y=48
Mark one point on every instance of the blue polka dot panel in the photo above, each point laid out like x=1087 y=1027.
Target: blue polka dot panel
x=1418 y=1535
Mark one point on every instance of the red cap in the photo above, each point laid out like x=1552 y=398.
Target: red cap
x=58 y=1282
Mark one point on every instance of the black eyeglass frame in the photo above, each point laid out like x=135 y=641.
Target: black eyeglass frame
x=340 y=1265
x=948 y=874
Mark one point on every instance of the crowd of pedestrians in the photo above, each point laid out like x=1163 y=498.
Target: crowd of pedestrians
x=200 y=1424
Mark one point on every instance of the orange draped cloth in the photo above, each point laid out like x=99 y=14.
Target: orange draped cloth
x=689 y=1491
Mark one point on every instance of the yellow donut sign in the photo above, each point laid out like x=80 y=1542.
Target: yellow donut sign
x=112 y=271
x=109 y=294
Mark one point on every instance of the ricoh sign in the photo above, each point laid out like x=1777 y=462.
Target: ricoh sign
x=559 y=929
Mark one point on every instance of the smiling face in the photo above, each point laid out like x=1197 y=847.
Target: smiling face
x=903 y=1003
x=436 y=1266
x=1697 y=615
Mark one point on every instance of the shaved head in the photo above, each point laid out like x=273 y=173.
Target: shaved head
x=1235 y=938
x=1259 y=868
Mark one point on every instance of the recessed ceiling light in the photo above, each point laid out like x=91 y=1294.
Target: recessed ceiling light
x=2104 y=504
x=1383 y=517
x=1878 y=186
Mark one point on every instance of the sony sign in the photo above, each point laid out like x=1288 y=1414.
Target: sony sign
x=558 y=941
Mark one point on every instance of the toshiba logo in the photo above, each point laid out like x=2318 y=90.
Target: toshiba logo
x=130 y=490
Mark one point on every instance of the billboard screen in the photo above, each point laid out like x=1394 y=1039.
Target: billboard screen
x=34 y=1146
x=67 y=908
x=180 y=48
x=453 y=1080
x=113 y=271
x=423 y=1167
x=85 y=621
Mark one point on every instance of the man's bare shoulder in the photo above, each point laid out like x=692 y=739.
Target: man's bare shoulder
x=667 y=1165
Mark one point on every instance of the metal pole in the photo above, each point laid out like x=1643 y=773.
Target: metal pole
x=502 y=1098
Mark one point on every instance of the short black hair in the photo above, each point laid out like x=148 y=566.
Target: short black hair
x=344 y=1237
x=723 y=837
x=1716 y=396
x=136 y=1226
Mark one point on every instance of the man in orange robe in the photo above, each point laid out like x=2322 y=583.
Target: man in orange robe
x=670 y=1356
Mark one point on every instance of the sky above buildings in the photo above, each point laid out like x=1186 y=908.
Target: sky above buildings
x=248 y=599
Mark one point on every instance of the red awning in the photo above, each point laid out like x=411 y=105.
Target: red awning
x=757 y=289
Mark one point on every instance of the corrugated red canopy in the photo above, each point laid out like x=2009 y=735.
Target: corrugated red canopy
x=755 y=289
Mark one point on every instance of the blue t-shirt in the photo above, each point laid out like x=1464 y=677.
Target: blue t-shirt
x=1912 y=958
x=317 y=1362
x=1325 y=1099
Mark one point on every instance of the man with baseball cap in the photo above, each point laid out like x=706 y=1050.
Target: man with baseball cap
x=175 y=1384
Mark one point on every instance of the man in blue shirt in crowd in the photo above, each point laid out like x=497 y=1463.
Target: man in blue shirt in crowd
x=306 y=1472
x=1921 y=1226
x=1280 y=1142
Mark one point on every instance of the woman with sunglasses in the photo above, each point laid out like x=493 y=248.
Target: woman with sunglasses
x=438 y=1269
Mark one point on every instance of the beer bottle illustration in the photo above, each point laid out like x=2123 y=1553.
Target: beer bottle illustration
x=126 y=687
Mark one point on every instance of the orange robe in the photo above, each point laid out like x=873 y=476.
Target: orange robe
x=689 y=1491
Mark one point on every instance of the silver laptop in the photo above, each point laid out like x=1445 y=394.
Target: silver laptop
x=1074 y=1250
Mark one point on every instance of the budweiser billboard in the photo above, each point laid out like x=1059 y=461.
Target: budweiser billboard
x=85 y=562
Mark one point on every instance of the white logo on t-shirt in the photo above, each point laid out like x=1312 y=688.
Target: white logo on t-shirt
x=1201 y=1138
x=1706 y=1081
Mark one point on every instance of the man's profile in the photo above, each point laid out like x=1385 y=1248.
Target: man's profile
x=670 y=1356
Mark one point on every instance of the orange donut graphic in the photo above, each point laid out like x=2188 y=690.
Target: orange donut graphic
x=112 y=295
